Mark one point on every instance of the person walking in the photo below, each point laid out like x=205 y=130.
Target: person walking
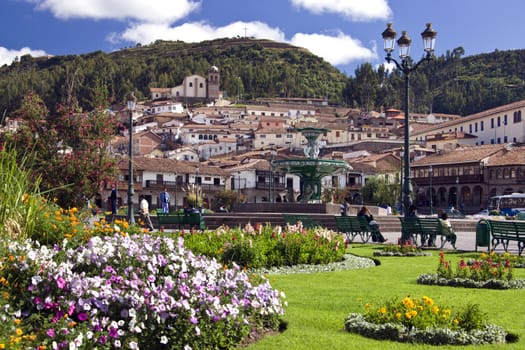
x=113 y=199
x=165 y=201
x=144 y=213
x=344 y=208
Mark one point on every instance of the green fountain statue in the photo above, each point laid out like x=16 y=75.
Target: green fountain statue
x=311 y=169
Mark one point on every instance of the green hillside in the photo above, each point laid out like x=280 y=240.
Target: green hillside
x=252 y=68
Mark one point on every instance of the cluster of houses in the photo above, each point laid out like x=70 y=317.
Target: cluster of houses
x=189 y=134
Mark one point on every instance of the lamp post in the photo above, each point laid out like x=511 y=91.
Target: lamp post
x=132 y=101
x=196 y=175
x=457 y=192
x=175 y=192
x=431 y=193
x=271 y=190
x=406 y=66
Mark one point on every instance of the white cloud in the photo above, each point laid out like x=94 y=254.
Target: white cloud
x=158 y=11
x=7 y=56
x=200 y=31
x=337 y=50
x=356 y=10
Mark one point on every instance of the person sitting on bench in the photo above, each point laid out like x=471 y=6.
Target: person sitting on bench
x=376 y=233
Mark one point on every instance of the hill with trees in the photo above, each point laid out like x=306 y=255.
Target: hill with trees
x=252 y=68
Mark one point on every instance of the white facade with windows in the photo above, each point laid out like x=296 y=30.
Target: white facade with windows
x=498 y=125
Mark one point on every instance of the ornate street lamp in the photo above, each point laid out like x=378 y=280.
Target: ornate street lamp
x=406 y=66
x=132 y=102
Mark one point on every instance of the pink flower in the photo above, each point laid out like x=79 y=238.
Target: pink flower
x=61 y=283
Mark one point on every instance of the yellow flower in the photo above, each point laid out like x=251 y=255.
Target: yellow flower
x=2 y=346
x=382 y=310
x=408 y=303
x=428 y=301
x=17 y=321
x=398 y=315
x=456 y=321
x=408 y=315
x=18 y=332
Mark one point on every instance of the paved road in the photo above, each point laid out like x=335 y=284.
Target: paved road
x=466 y=241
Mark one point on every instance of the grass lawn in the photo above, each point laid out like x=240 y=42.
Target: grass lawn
x=318 y=303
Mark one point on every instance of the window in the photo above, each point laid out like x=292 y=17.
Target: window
x=499 y=121
x=476 y=127
x=191 y=84
x=470 y=128
x=200 y=85
x=505 y=119
x=492 y=123
x=482 y=125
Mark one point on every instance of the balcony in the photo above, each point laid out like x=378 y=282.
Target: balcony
x=267 y=186
x=155 y=185
x=449 y=180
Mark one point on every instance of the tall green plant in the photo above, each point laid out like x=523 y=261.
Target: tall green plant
x=19 y=195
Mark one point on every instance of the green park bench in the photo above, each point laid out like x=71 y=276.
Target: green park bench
x=504 y=231
x=191 y=220
x=293 y=219
x=353 y=226
x=414 y=227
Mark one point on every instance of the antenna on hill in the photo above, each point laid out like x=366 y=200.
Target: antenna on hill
x=245 y=32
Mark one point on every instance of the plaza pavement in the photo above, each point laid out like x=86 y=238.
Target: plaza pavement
x=466 y=241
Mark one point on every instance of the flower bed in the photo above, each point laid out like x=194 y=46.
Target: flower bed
x=406 y=249
x=422 y=321
x=475 y=273
x=133 y=292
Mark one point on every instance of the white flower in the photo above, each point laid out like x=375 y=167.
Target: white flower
x=164 y=340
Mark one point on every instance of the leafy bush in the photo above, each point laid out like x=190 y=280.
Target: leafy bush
x=19 y=197
x=264 y=246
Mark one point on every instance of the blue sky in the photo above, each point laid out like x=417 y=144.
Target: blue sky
x=345 y=33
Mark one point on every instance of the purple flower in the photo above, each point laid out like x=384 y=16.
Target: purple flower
x=82 y=316
x=51 y=332
x=103 y=339
x=113 y=332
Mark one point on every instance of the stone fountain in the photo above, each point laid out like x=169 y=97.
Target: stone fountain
x=311 y=169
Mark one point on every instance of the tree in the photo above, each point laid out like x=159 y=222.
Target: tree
x=69 y=150
x=379 y=190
